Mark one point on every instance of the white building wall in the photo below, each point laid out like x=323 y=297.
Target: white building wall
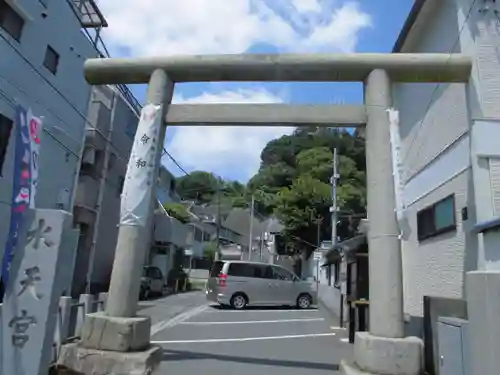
x=481 y=39
x=435 y=266
x=434 y=129
x=61 y=99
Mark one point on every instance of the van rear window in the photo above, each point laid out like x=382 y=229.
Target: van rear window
x=216 y=269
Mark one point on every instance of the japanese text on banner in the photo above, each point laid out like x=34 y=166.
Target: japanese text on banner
x=139 y=185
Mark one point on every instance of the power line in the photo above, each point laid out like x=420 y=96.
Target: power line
x=165 y=152
x=438 y=86
x=73 y=106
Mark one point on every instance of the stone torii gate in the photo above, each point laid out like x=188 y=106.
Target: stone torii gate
x=384 y=349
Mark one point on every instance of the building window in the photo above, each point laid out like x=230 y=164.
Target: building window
x=5 y=130
x=10 y=21
x=198 y=235
x=121 y=182
x=51 y=61
x=131 y=129
x=112 y=161
x=437 y=219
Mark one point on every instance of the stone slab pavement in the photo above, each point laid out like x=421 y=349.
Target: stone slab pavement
x=207 y=339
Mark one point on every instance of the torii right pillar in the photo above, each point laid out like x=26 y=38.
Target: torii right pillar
x=384 y=349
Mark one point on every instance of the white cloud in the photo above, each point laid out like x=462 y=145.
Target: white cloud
x=154 y=27
x=163 y=27
x=228 y=151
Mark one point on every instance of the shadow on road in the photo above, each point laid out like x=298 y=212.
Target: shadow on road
x=170 y=355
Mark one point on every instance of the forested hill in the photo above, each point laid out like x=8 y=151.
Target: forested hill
x=293 y=183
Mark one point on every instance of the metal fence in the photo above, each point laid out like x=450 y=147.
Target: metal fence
x=70 y=317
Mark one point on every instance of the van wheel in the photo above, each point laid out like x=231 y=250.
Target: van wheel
x=239 y=301
x=304 y=301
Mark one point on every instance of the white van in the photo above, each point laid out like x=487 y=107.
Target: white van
x=239 y=284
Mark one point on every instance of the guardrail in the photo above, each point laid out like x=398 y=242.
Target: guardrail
x=70 y=318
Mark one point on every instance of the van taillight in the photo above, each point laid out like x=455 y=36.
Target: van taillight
x=222 y=279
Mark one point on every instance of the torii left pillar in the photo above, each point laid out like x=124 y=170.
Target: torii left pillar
x=118 y=341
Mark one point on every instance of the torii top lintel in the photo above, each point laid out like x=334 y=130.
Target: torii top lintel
x=348 y=67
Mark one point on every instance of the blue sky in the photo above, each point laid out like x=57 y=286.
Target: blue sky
x=248 y=26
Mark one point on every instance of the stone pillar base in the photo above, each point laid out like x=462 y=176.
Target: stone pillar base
x=388 y=356
x=100 y=362
x=104 y=332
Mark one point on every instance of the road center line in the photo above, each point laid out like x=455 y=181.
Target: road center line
x=244 y=339
x=252 y=321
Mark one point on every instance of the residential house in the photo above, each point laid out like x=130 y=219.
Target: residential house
x=170 y=235
x=167 y=188
x=234 y=230
x=43 y=46
x=449 y=152
x=199 y=234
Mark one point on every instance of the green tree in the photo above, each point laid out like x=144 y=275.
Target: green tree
x=177 y=211
x=317 y=162
x=299 y=206
x=294 y=181
x=199 y=186
x=209 y=250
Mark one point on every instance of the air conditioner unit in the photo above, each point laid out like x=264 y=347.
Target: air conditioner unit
x=88 y=155
x=62 y=199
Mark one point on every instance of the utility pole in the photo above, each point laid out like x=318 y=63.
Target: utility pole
x=217 y=254
x=333 y=209
x=319 y=220
x=250 y=239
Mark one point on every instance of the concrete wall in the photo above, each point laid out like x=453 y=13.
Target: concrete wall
x=330 y=297
x=61 y=99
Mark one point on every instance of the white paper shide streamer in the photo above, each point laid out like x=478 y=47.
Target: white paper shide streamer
x=139 y=186
x=397 y=166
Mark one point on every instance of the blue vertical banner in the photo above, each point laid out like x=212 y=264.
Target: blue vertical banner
x=21 y=187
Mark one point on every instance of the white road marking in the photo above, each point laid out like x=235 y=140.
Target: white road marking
x=336 y=327
x=244 y=339
x=160 y=326
x=253 y=321
x=216 y=310
x=344 y=339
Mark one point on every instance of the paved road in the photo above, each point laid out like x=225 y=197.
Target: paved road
x=164 y=309
x=205 y=339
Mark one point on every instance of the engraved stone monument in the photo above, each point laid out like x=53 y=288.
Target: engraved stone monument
x=31 y=300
